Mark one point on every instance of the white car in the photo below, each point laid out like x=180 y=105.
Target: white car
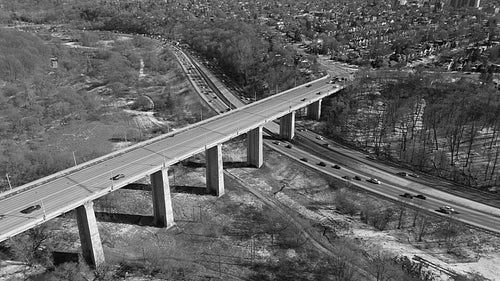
x=446 y=209
x=373 y=180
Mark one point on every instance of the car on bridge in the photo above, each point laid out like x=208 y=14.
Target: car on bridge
x=30 y=209
x=117 y=177
x=420 y=196
x=336 y=166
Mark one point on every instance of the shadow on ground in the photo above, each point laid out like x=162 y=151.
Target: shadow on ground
x=125 y=218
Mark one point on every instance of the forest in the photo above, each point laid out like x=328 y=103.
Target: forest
x=446 y=129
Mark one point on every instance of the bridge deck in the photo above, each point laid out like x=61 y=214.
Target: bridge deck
x=68 y=189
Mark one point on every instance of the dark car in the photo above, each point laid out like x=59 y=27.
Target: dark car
x=30 y=209
x=288 y=146
x=358 y=178
x=318 y=93
x=420 y=196
x=347 y=178
x=403 y=174
x=2 y=217
x=308 y=85
x=304 y=159
x=322 y=164
x=117 y=177
x=413 y=175
x=276 y=142
x=407 y=195
x=304 y=99
x=336 y=166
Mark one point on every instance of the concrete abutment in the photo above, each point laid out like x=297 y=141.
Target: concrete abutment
x=254 y=147
x=90 y=240
x=314 y=110
x=214 y=170
x=162 y=203
x=287 y=126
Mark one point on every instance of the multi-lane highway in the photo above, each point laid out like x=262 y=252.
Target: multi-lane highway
x=71 y=188
x=392 y=186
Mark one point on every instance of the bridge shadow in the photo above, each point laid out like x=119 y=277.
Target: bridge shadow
x=137 y=186
x=197 y=190
x=226 y=164
x=125 y=218
x=236 y=164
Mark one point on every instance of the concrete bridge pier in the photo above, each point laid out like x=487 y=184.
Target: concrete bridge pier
x=254 y=148
x=162 y=204
x=215 y=173
x=287 y=126
x=90 y=241
x=314 y=110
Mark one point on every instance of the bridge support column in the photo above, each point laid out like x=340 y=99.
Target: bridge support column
x=90 y=241
x=162 y=204
x=314 y=110
x=215 y=173
x=254 y=147
x=287 y=126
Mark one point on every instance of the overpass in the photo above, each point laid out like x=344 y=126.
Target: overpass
x=77 y=187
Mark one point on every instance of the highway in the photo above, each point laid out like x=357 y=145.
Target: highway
x=73 y=187
x=392 y=187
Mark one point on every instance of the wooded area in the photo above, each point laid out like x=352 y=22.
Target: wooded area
x=447 y=129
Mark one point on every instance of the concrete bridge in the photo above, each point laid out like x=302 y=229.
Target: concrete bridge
x=77 y=187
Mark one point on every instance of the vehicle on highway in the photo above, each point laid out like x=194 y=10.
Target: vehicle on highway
x=304 y=99
x=320 y=138
x=407 y=195
x=373 y=180
x=446 y=209
x=117 y=177
x=2 y=217
x=276 y=142
x=308 y=85
x=420 y=196
x=347 y=178
x=318 y=93
x=336 y=166
x=30 y=209
x=326 y=144
x=288 y=146
x=304 y=159
x=405 y=174
x=358 y=178
x=322 y=164
x=370 y=157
